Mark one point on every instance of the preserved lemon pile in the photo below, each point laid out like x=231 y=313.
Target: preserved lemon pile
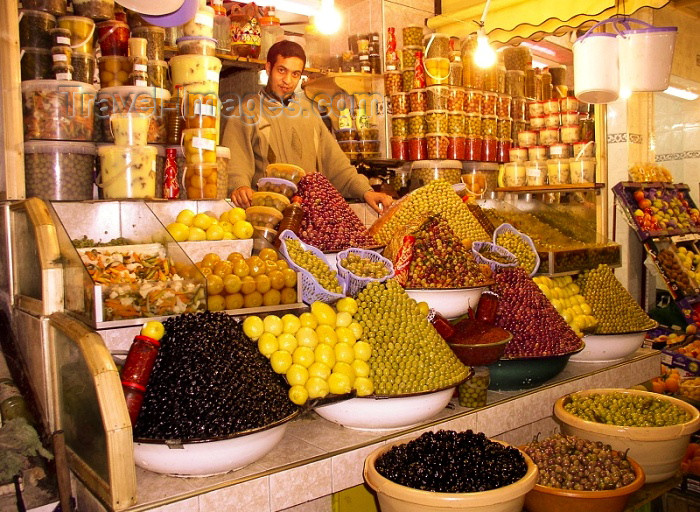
x=613 y=306
x=438 y=197
x=408 y=354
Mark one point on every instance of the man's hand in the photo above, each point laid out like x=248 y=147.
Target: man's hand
x=242 y=196
x=379 y=201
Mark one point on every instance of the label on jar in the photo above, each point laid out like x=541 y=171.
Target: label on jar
x=60 y=40
x=141 y=83
x=204 y=109
x=60 y=57
x=141 y=67
x=205 y=19
x=534 y=172
x=212 y=75
x=203 y=143
x=64 y=76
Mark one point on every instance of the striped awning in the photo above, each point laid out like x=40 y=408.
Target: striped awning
x=510 y=21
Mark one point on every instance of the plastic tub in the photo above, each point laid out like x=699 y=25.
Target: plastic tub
x=35 y=64
x=278 y=186
x=58 y=110
x=570 y=133
x=394 y=497
x=527 y=138
x=582 y=170
x=560 y=151
x=418 y=100
x=569 y=118
x=503 y=150
x=199 y=145
x=343 y=134
x=437 y=146
x=392 y=82
x=155 y=37
x=84 y=66
x=114 y=70
x=190 y=69
x=537 y=122
x=204 y=181
x=113 y=38
x=35 y=29
x=349 y=146
x=552 y=120
x=504 y=127
x=489 y=126
x=97 y=10
x=59 y=171
x=472 y=393
x=436 y=121
x=55 y=7
x=518 y=154
x=515 y=174
x=551 y=106
x=549 y=136
x=399 y=148
x=582 y=148
x=368 y=146
x=408 y=56
x=202 y=24
x=127 y=172
x=190 y=45
x=436 y=45
x=535 y=108
x=456 y=147
x=407 y=78
x=200 y=110
x=472 y=125
x=480 y=177
x=147 y=100
x=263 y=216
x=537 y=153
x=412 y=35
x=558 y=171
x=129 y=128
x=417 y=147
x=82 y=31
x=438 y=97
x=425 y=171
x=503 y=106
x=271 y=200
x=290 y=172
x=158 y=74
x=417 y=124
x=658 y=450
x=596 y=68
x=489 y=104
x=536 y=173
x=518 y=109
x=456 y=123
x=473 y=148
x=368 y=134
x=489 y=149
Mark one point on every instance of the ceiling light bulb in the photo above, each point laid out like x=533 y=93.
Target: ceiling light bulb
x=328 y=19
x=484 y=55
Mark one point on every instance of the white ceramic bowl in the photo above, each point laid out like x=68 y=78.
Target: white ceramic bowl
x=206 y=458
x=658 y=450
x=449 y=302
x=608 y=348
x=369 y=413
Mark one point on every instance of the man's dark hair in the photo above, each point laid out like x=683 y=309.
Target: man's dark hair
x=285 y=49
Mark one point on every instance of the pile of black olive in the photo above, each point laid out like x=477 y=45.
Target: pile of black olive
x=449 y=461
x=209 y=380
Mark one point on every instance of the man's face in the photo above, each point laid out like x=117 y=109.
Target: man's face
x=284 y=75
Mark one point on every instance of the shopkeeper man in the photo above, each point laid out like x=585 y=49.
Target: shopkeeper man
x=284 y=128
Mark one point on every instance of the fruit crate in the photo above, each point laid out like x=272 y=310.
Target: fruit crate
x=93 y=296
x=646 y=206
x=679 y=278
x=685 y=358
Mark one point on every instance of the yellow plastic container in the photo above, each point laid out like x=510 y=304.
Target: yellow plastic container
x=195 y=69
x=204 y=181
x=270 y=199
x=82 y=31
x=127 y=172
x=290 y=172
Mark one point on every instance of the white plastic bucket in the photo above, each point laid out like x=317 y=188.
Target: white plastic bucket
x=596 y=68
x=645 y=56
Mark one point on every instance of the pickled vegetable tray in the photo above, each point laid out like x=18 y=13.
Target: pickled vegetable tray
x=641 y=204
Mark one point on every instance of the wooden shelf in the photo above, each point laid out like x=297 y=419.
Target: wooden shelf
x=552 y=188
x=334 y=83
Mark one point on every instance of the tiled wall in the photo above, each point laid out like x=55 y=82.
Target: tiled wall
x=677 y=138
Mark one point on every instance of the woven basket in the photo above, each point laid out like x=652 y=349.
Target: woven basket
x=354 y=284
x=505 y=228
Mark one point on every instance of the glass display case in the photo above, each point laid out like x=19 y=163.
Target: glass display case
x=562 y=229
x=36 y=270
x=121 y=264
x=91 y=411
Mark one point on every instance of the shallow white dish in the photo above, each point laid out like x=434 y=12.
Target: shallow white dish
x=608 y=348
x=449 y=302
x=206 y=458
x=370 y=413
